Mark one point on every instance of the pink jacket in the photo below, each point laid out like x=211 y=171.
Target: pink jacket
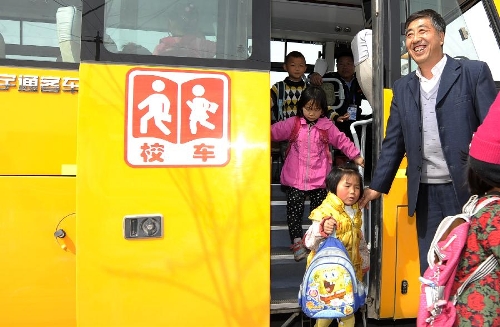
x=306 y=165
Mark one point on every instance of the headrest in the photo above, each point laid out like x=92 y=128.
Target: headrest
x=361 y=46
x=69 y=25
x=2 y=47
x=320 y=66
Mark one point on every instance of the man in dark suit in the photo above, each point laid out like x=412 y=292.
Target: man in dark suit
x=434 y=112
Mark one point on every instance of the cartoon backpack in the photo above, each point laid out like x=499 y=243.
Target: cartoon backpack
x=329 y=288
x=437 y=304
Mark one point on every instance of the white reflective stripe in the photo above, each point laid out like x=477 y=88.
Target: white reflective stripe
x=486 y=267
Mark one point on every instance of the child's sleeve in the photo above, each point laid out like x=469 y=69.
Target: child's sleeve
x=364 y=253
x=312 y=237
x=282 y=130
x=340 y=141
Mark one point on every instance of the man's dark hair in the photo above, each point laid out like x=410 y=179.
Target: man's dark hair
x=294 y=54
x=436 y=19
x=477 y=185
x=344 y=53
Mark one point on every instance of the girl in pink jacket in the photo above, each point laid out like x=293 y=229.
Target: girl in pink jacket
x=308 y=159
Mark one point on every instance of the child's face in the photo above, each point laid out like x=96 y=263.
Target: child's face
x=311 y=111
x=349 y=189
x=296 y=67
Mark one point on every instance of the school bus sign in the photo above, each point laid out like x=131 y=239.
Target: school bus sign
x=177 y=118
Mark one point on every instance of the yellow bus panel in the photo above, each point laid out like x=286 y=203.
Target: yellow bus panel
x=37 y=277
x=211 y=267
x=38 y=120
x=400 y=269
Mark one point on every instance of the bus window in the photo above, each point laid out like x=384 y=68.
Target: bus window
x=309 y=50
x=178 y=28
x=468 y=34
x=40 y=30
x=280 y=48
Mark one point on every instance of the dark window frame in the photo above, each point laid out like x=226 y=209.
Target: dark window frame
x=93 y=27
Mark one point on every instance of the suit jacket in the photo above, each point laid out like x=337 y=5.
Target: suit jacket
x=466 y=92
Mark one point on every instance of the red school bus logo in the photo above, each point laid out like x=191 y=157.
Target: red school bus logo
x=177 y=118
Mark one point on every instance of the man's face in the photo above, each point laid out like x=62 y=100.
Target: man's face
x=345 y=67
x=424 y=42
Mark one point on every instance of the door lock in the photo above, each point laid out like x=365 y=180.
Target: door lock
x=143 y=226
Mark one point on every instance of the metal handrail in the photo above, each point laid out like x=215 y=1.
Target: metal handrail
x=339 y=94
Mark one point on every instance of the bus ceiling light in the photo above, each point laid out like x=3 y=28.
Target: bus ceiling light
x=345 y=29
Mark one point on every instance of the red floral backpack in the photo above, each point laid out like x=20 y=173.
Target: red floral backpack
x=437 y=304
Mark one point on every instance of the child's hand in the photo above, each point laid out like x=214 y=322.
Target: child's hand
x=329 y=225
x=360 y=161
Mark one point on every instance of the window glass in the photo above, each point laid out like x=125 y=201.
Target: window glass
x=310 y=51
x=277 y=51
x=468 y=35
x=39 y=34
x=40 y=30
x=179 y=28
x=277 y=76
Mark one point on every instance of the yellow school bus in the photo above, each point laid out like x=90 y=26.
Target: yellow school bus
x=135 y=172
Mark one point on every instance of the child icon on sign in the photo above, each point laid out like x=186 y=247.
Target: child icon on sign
x=199 y=108
x=159 y=107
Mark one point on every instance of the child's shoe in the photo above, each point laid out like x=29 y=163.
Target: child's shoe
x=299 y=250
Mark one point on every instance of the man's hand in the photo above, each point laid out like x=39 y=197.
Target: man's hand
x=368 y=195
x=341 y=119
x=315 y=79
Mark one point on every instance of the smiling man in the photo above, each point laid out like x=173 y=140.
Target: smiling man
x=434 y=112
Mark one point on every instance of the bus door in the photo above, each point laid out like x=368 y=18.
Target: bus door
x=173 y=164
x=39 y=98
x=472 y=33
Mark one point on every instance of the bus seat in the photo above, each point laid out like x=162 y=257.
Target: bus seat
x=69 y=24
x=2 y=46
x=361 y=47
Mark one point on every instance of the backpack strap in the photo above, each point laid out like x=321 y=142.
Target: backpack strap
x=444 y=226
x=281 y=99
x=484 y=204
x=294 y=135
x=468 y=210
x=487 y=266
